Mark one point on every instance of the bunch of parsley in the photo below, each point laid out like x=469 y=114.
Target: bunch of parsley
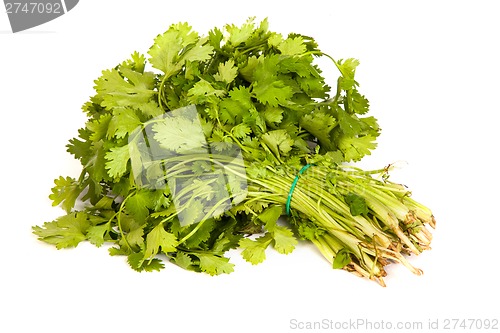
x=197 y=149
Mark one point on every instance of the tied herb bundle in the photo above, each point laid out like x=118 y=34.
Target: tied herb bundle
x=202 y=146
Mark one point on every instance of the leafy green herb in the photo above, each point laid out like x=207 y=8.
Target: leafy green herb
x=191 y=151
x=357 y=204
x=342 y=259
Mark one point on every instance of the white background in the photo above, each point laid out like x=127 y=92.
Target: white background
x=431 y=71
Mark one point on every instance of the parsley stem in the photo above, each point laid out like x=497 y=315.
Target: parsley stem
x=161 y=93
x=203 y=220
x=118 y=219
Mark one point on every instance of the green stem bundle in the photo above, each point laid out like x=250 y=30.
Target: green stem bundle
x=392 y=225
x=386 y=224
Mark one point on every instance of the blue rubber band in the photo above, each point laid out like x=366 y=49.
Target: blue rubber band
x=292 y=188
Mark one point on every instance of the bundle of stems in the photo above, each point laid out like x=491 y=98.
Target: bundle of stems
x=359 y=220
x=386 y=225
x=391 y=225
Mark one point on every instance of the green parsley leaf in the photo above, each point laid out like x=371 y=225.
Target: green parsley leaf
x=138 y=205
x=270 y=216
x=214 y=265
x=349 y=124
x=342 y=259
x=272 y=91
x=81 y=149
x=123 y=123
x=279 y=141
x=137 y=262
x=202 y=90
x=66 y=231
x=320 y=125
x=357 y=204
x=118 y=158
x=182 y=259
x=284 y=241
x=158 y=239
x=65 y=193
x=273 y=115
x=124 y=87
x=254 y=251
x=241 y=130
x=153 y=265
x=96 y=165
x=134 y=237
x=359 y=103
x=178 y=45
x=202 y=234
x=96 y=234
x=292 y=46
x=239 y=35
x=99 y=127
x=355 y=148
x=227 y=72
x=238 y=104
x=348 y=69
x=267 y=86
x=275 y=39
x=137 y=62
x=179 y=134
